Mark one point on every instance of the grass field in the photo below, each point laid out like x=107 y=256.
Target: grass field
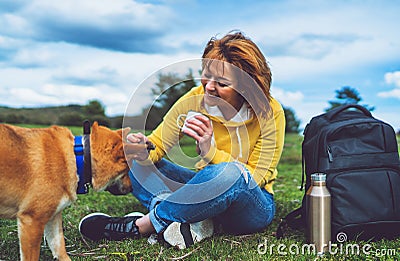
x=260 y=246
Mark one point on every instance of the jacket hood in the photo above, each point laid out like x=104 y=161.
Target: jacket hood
x=214 y=113
x=238 y=121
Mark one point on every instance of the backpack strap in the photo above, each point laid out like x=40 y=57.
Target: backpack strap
x=333 y=113
x=303 y=172
x=294 y=220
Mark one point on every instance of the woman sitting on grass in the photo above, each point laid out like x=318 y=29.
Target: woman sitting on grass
x=239 y=139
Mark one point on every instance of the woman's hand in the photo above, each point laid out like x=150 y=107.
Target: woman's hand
x=132 y=150
x=201 y=130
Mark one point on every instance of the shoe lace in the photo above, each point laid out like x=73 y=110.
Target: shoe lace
x=118 y=228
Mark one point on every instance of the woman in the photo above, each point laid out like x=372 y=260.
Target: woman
x=239 y=138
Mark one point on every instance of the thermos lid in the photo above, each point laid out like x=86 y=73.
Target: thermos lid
x=318 y=177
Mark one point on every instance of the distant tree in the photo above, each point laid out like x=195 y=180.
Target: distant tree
x=347 y=95
x=102 y=120
x=94 y=107
x=292 y=123
x=95 y=111
x=169 y=88
x=71 y=119
x=15 y=118
x=40 y=119
x=116 y=121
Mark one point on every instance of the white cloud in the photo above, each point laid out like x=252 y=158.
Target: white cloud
x=395 y=93
x=121 y=25
x=104 y=13
x=392 y=78
x=14 y=24
x=27 y=58
x=65 y=73
x=389 y=116
x=287 y=98
x=65 y=94
x=304 y=109
x=53 y=95
x=30 y=97
x=329 y=38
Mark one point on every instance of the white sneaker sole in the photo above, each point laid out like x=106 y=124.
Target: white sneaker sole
x=134 y=214
x=176 y=236
x=90 y=215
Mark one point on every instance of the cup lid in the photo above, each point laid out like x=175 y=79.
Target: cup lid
x=318 y=177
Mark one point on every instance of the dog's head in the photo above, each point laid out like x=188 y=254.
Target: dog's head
x=109 y=165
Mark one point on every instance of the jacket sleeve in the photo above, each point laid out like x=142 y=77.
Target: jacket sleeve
x=167 y=133
x=268 y=150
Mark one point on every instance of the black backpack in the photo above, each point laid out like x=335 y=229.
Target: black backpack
x=360 y=157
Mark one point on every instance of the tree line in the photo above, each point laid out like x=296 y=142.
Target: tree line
x=70 y=115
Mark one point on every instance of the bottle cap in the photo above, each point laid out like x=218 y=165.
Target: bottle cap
x=318 y=177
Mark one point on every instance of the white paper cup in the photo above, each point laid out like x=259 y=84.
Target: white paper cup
x=188 y=116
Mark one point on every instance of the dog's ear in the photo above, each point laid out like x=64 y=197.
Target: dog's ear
x=124 y=132
x=94 y=130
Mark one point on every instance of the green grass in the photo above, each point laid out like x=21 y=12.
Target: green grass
x=260 y=246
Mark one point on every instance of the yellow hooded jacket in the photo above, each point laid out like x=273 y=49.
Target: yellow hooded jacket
x=256 y=142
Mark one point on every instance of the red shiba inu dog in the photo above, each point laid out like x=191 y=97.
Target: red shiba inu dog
x=38 y=179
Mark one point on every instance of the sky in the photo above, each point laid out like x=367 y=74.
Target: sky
x=73 y=51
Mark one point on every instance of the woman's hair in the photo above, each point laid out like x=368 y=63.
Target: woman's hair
x=237 y=49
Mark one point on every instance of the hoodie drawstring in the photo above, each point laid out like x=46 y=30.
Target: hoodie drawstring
x=240 y=142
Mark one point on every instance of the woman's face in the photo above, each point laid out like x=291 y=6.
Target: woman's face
x=219 y=82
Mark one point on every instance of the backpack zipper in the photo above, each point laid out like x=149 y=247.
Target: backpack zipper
x=329 y=151
x=338 y=125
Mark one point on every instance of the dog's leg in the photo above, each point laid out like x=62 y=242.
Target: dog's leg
x=55 y=238
x=30 y=232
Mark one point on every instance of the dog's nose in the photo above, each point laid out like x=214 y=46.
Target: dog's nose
x=116 y=190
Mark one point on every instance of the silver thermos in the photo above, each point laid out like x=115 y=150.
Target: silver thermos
x=318 y=209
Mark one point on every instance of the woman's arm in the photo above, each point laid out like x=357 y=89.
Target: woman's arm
x=268 y=150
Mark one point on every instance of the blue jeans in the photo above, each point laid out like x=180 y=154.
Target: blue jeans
x=225 y=192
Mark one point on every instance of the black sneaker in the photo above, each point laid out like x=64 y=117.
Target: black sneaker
x=97 y=226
